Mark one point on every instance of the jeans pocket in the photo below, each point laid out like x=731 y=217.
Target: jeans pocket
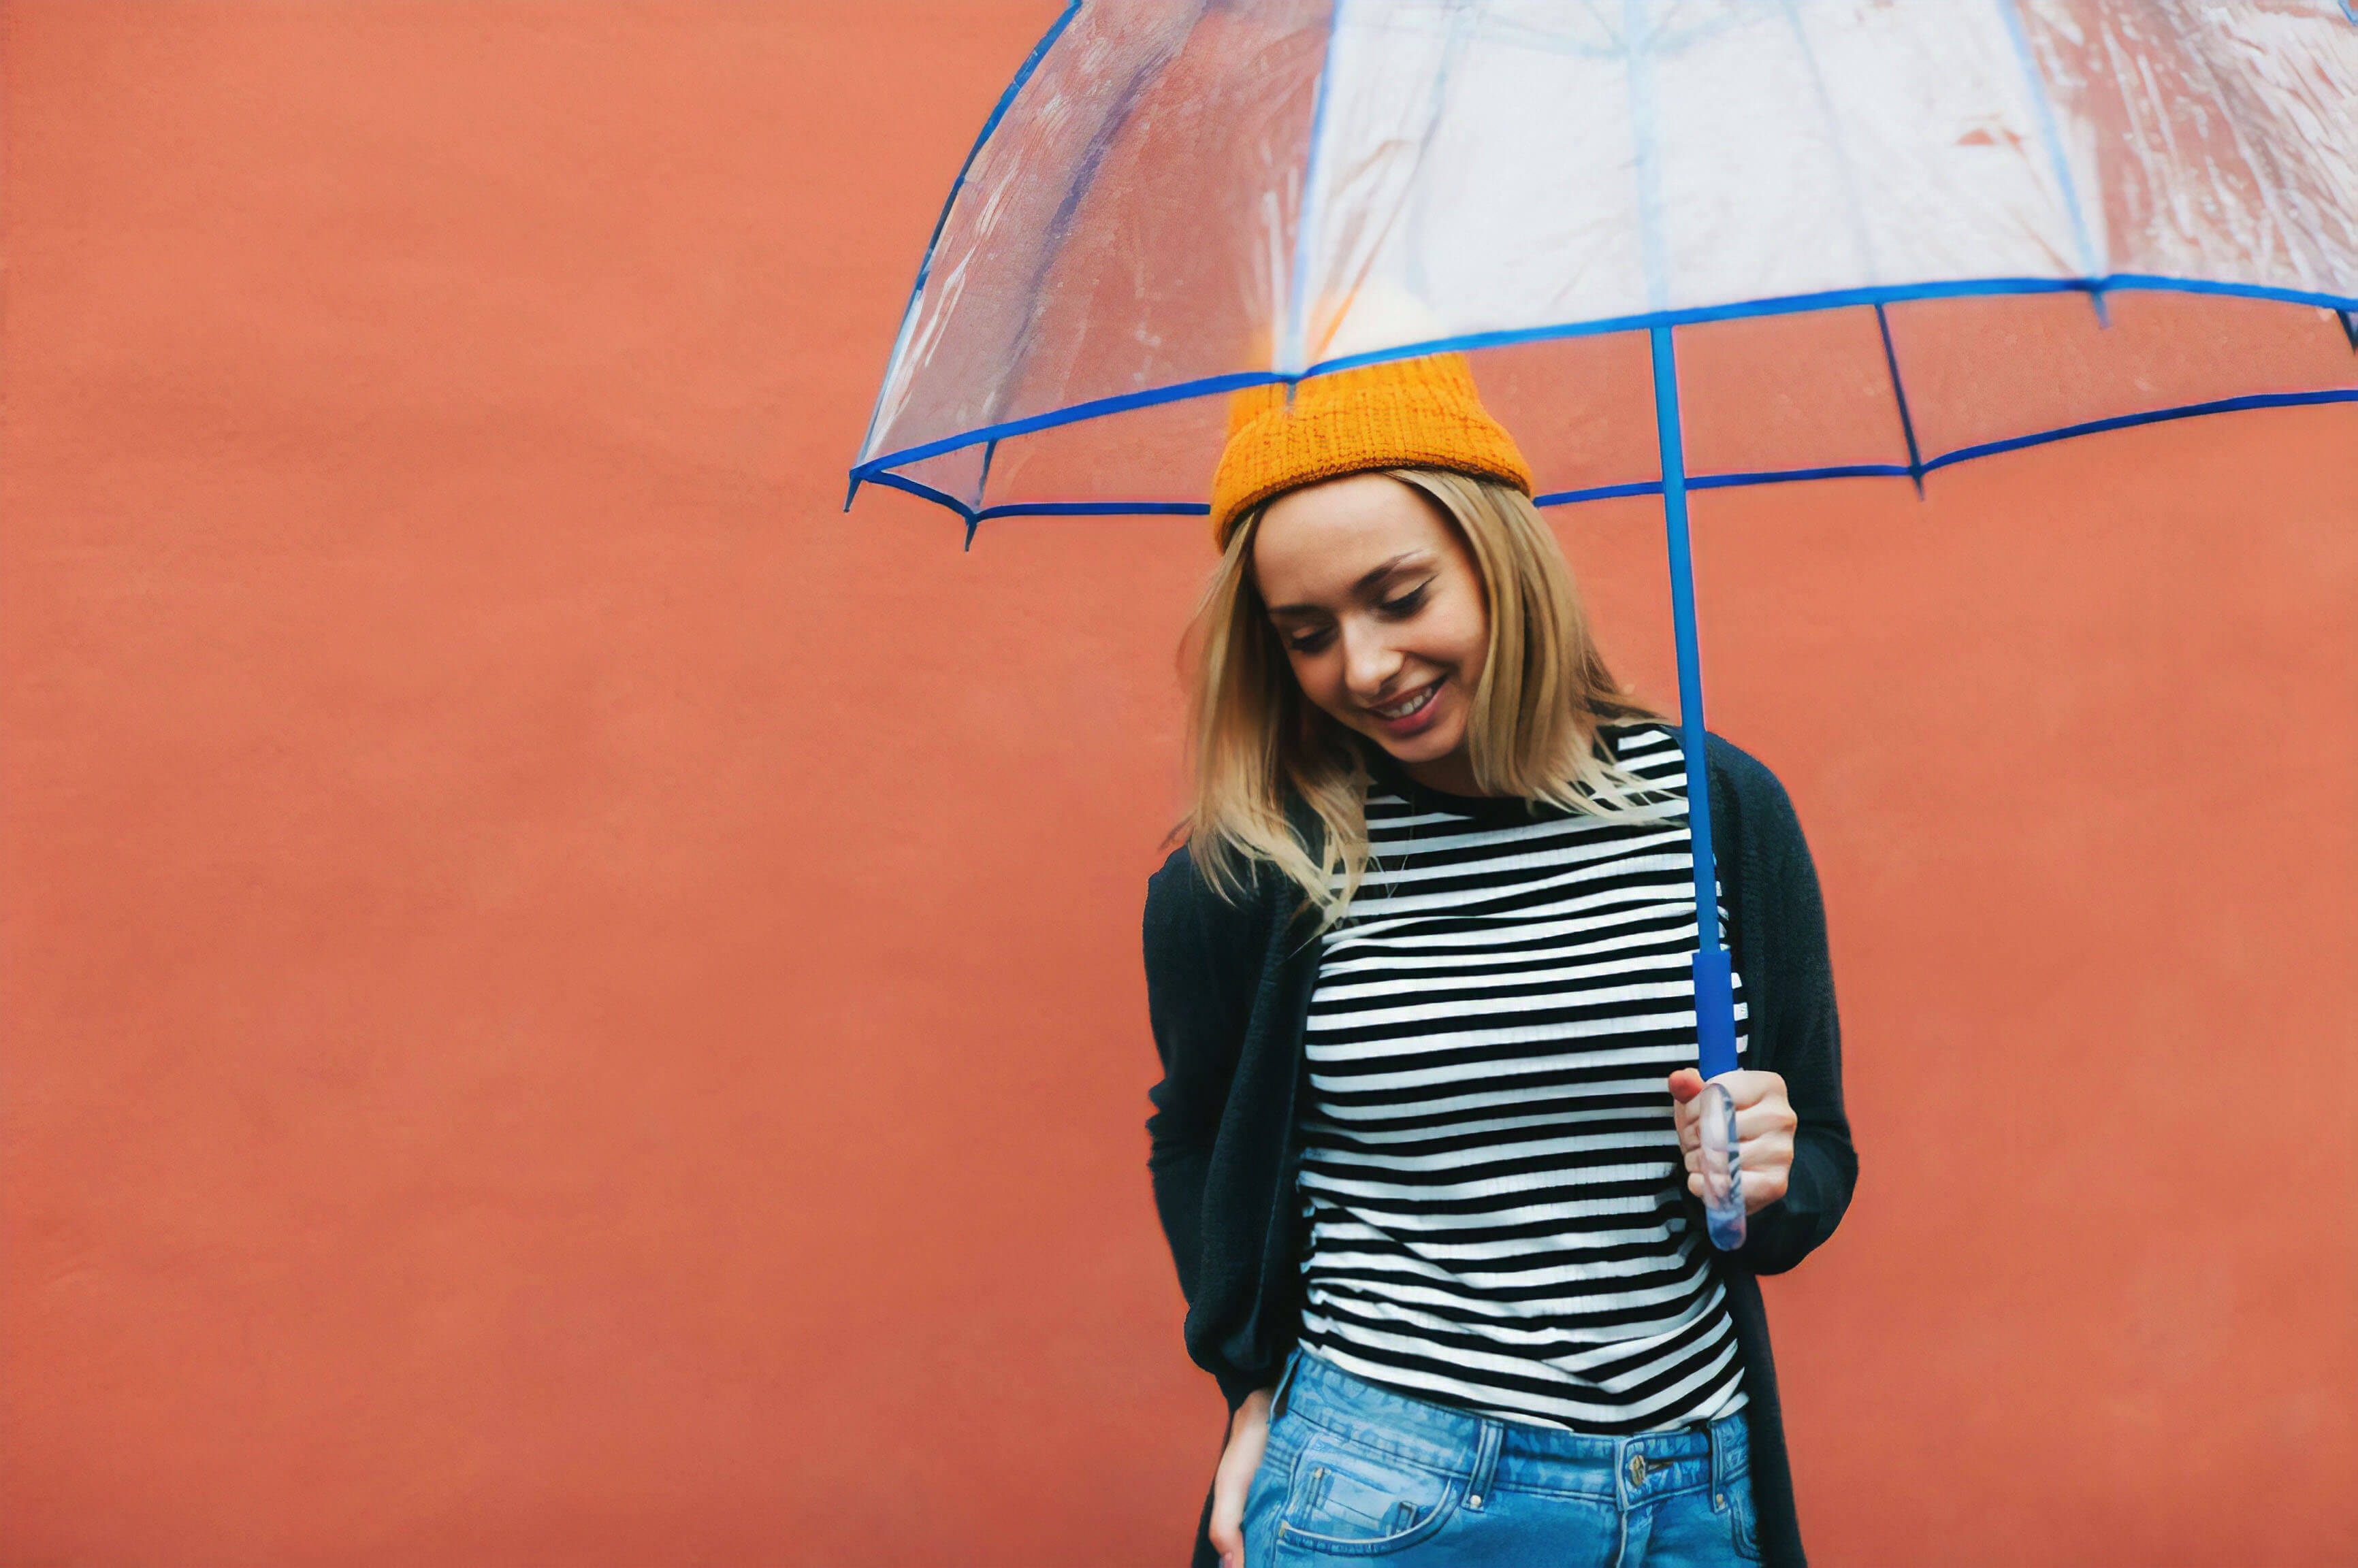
x=1744 y=1526
x=1348 y=1499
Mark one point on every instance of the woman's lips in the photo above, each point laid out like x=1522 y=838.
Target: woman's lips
x=1409 y=714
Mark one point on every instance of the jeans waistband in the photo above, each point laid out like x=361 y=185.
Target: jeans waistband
x=1494 y=1451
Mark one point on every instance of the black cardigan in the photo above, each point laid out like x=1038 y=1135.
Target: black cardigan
x=1228 y=988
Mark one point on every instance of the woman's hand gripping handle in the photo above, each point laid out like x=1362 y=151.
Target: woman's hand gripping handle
x=1765 y=1120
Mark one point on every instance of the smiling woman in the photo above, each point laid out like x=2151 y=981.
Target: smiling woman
x=1426 y=608
x=1425 y=1146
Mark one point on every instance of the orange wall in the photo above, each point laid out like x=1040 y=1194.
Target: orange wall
x=567 y=1003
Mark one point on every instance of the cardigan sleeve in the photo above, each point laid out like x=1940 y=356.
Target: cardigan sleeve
x=1798 y=1020
x=1199 y=1004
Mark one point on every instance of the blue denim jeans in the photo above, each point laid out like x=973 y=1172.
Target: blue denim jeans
x=1356 y=1471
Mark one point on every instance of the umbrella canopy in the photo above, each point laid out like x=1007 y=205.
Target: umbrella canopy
x=1877 y=238
x=1893 y=236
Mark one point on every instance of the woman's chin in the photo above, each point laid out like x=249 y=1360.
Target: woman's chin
x=1435 y=741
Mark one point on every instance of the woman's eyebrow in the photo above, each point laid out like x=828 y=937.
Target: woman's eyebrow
x=1368 y=584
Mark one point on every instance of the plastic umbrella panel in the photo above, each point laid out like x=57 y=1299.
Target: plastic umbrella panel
x=1177 y=198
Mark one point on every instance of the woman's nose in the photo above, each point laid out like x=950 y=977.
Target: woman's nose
x=1369 y=662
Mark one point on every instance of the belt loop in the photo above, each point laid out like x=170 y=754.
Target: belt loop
x=1284 y=1383
x=1718 y=1468
x=1486 y=1462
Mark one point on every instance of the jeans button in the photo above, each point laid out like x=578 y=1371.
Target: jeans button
x=1636 y=1469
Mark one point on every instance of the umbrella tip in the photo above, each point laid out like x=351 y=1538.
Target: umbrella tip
x=972 y=522
x=852 y=492
x=2350 y=328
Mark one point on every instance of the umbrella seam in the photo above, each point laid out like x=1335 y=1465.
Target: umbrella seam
x=1787 y=305
x=1739 y=481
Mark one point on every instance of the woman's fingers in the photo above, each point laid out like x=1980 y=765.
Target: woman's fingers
x=1771 y=1152
x=1686 y=1085
x=1748 y=1088
x=1745 y=1090
x=1764 y=1123
x=1758 y=1098
x=1768 y=1150
x=1760 y=1188
x=1768 y=1173
x=1768 y=1163
x=1766 y=1184
x=1228 y=1539
x=1764 y=1138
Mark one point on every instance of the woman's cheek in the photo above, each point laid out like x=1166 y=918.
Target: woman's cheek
x=1320 y=681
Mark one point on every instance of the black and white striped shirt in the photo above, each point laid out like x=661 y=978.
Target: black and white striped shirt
x=1490 y=1170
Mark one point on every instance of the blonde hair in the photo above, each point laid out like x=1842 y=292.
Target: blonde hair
x=1532 y=732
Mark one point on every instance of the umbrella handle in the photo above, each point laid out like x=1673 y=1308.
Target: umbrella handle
x=1723 y=1167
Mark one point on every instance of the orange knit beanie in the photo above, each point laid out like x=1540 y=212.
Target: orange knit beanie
x=1419 y=413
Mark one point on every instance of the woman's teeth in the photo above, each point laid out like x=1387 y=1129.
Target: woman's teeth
x=1410 y=704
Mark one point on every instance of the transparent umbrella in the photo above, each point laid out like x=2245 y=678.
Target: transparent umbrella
x=1864 y=238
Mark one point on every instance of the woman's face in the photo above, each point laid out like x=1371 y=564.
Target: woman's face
x=1381 y=611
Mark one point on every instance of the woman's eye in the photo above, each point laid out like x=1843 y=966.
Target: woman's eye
x=1407 y=604
x=1309 y=642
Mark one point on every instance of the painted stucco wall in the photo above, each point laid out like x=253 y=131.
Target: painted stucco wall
x=566 y=1002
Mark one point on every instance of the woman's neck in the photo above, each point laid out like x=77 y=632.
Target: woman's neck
x=1451 y=775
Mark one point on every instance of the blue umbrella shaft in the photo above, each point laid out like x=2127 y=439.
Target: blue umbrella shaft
x=1715 y=992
